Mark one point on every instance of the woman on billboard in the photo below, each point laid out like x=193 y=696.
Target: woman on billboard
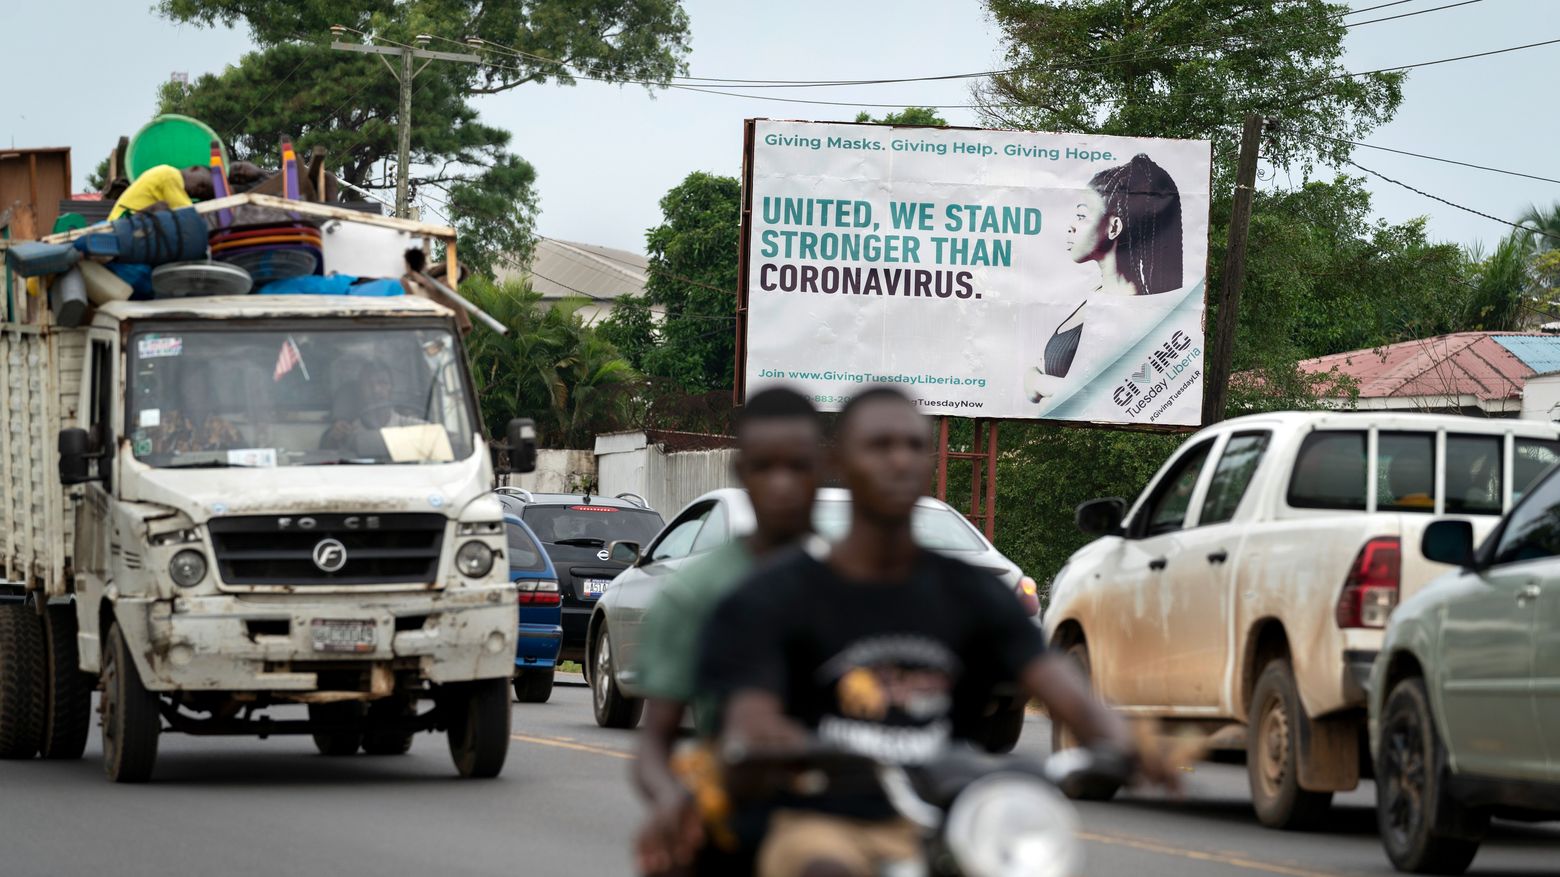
x=1128 y=221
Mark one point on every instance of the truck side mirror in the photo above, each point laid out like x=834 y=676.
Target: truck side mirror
x=522 y=445
x=623 y=551
x=1448 y=542
x=1102 y=517
x=75 y=448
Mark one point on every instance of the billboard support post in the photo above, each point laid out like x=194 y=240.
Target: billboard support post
x=983 y=474
x=1216 y=384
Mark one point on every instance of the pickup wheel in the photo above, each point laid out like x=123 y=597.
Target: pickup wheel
x=382 y=712
x=1273 y=750
x=479 y=727
x=337 y=743
x=131 y=718
x=534 y=686
x=1423 y=828
x=1063 y=737
x=613 y=709
x=23 y=667
x=67 y=718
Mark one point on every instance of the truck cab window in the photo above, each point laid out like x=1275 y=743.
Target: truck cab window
x=1329 y=472
x=102 y=414
x=1530 y=458
x=1533 y=530
x=1166 y=512
x=1405 y=472
x=1473 y=474
x=1236 y=466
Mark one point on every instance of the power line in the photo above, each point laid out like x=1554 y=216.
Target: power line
x=1448 y=203
x=1441 y=159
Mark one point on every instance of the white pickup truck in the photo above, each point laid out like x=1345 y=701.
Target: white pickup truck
x=214 y=505
x=1245 y=592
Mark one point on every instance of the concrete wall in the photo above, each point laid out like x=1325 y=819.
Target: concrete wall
x=557 y=471
x=1541 y=397
x=628 y=461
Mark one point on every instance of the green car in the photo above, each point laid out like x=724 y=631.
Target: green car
x=1465 y=696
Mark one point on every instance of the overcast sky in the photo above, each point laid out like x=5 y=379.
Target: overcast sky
x=605 y=154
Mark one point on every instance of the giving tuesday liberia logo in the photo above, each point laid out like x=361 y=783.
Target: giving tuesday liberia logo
x=1141 y=375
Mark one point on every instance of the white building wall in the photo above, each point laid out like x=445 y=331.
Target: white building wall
x=557 y=471
x=1541 y=397
x=629 y=462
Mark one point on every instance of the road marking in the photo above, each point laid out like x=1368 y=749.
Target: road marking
x=1232 y=860
x=577 y=747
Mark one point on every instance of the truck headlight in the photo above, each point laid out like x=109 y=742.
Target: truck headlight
x=187 y=568
x=475 y=559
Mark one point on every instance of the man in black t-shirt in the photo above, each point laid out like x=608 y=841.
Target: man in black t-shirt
x=879 y=648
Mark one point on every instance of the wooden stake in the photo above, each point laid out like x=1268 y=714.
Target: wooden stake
x=1216 y=379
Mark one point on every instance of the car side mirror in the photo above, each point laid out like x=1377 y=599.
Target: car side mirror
x=1102 y=517
x=522 y=444
x=1449 y=542
x=75 y=447
x=623 y=551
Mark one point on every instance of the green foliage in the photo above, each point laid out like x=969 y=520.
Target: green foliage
x=908 y=116
x=349 y=102
x=551 y=367
x=98 y=178
x=693 y=282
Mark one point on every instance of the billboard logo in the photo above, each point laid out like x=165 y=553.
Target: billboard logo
x=1164 y=363
x=1141 y=375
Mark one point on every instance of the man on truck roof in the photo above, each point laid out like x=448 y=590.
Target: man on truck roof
x=165 y=187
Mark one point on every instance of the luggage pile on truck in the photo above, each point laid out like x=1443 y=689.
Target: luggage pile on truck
x=149 y=366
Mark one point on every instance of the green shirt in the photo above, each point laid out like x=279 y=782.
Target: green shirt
x=669 y=650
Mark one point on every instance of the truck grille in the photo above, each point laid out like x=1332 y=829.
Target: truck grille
x=328 y=549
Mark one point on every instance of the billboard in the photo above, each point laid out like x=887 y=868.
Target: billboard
x=986 y=273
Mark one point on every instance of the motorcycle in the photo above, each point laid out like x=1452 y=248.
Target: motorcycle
x=978 y=815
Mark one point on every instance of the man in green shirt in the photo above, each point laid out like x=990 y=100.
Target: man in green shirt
x=779 y=460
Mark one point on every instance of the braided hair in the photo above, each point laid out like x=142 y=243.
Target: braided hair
x=1142 y=195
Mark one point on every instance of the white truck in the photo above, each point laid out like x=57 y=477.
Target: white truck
x=216 y=505
x=1245 y=593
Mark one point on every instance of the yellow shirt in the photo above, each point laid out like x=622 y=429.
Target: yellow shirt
x=162 y=183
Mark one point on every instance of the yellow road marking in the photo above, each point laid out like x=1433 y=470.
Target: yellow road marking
x=577 y=747
x=1232 y=860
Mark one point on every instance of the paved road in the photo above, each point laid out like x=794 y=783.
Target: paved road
x=562 y=807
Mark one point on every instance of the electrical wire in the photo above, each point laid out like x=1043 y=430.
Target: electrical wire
x=1438 y=158
x=1466 y=209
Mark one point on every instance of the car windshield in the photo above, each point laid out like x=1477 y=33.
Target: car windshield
x=212 y=397
x=591 y=526
x=936 y=529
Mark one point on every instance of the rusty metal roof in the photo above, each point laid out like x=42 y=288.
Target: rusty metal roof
x=1483 y=365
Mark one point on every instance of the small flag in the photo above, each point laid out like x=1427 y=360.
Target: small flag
x=288 y=357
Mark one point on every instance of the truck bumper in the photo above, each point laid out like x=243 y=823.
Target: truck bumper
x=1356 y=673
x=255 y=643
x=537 y=647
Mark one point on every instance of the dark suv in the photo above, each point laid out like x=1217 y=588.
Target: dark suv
x=575 y=531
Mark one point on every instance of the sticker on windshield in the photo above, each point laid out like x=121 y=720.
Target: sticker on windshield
x=259 y=458
x=149 y=418
x=156 y=346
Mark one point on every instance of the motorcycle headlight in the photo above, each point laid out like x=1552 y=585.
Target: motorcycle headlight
x=187 y=568
x=475 y=559
x=1005 y=825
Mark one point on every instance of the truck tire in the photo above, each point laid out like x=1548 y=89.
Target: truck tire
x=337 y=744
x=1273 y=753
x=1063 y=738
x=68 y=712
x=377 y=741
x=131 y=718
x=479 y=727
x=534 y=686
x=613 y=709
x=1423 y=828
x=23 y=668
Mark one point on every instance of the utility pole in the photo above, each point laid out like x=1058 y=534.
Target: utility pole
x=1217 y=377
x=405 y=76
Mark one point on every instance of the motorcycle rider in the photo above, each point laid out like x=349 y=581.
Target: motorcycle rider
x=877 y=647
x=779 y=457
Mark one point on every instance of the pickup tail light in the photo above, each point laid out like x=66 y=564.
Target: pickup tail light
x=1370 y=593
x=539 y=593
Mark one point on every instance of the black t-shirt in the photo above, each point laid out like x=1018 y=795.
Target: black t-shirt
x=890 y=670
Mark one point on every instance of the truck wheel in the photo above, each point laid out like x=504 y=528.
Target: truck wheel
x=534 y=686
x=381 y=712
x=337 y=744
x=1423 y=828
x=1063 y=737
x=1273 y=754
x=613 y=709
x=23 y=668
x=479 y=727
x=67 y=718
x=131 y=718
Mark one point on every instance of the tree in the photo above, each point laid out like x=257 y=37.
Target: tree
x=348 y=103
x=683 y=329
x=908 y=116
x=552 y=367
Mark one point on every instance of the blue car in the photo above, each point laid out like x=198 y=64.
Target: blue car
x=541 y=611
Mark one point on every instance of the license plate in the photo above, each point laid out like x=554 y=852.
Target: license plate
x=596 y=587
x=343 y=636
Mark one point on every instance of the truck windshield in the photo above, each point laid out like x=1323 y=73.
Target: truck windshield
x=202 y=398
